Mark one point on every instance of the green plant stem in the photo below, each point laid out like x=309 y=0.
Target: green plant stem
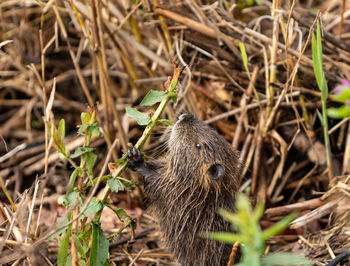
x=120 y=230
x=326 y=140
x=146 y=132
x=75 y=225
x=71 y=161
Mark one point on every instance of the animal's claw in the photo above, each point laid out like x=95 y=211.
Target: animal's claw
x=134 y=158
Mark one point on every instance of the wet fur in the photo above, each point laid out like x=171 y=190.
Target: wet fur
x=185 y=198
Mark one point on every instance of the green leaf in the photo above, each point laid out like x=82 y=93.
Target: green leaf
x=86 y=234
x=80 y=151
x=72 y=197
x=166 y=122
x=133 y=223
x=90 y=158
x=251 y=257
x=119 y=212
x=122 y=159
x=95 y=132
x=228 y=238
x=77 y=172
x=319 y=42
x=94 y=206
x=58 y=141
x=333 y=113
x=85 y=117
x=324 y=94
x=342 y=97
x=107 y=263
x=82 y=129
x=243 y=203
x=129 y=183
x=54 y=135
x=69 y=260
x=141 y=118
x=99 y=251
x=317 y=63
x=244 y=57
x=231 y=217
x=115 y=185
x=63 y=249
x=103 y=178
x=172 y=96
x=73 y=176
x=341 y=112
x=285 y=257
x=258 y=212
x=62 y=129
x=62 y=201
x=320 y=116
x=80 y=248
x=278 y=227
x=153 y=97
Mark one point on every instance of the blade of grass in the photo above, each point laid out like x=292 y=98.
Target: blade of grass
x=322 y=85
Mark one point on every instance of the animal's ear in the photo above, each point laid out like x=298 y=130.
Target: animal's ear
x=216 y=171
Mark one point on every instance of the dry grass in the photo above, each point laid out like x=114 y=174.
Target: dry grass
x=58 y=57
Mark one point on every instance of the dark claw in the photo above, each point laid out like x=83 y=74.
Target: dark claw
x=135 y=159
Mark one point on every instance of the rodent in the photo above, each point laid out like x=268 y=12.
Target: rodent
x=184 y=190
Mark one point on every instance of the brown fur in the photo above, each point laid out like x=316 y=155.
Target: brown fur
x=185 y=197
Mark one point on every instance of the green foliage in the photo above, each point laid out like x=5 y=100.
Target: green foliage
x=123 y=217
x=62 y=129
x=89 y=126
x=153 y=97
x=80 y=248
x=89 y=160
x=64 y=245
x=318 y=64
x=58 y=139
x=341 y=112
x=115 y=185
x=99 y=246
x=77 y=172
x=247 y=3
x=284 y=258
x=63 y=221
x=92 y=247
x=141 y=118
x=342 y=95
x=165 y=122
x=80 y=151
x=251 y=237
x=245 y=63
x=73 y=197
x=94 y=206
x=322 y=85
x=244 y=57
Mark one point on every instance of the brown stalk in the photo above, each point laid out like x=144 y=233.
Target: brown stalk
x=273 y=58
x=165 y=31
x=243 y=114
x=71 y=53
x=192 y=24
x=257 y=152
x=342 y=10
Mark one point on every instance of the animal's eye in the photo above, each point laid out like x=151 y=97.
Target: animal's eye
x=198 y=146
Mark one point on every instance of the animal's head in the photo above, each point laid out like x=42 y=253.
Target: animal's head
x=197 y=151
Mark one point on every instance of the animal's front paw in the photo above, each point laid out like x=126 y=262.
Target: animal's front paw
x=135 y=159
